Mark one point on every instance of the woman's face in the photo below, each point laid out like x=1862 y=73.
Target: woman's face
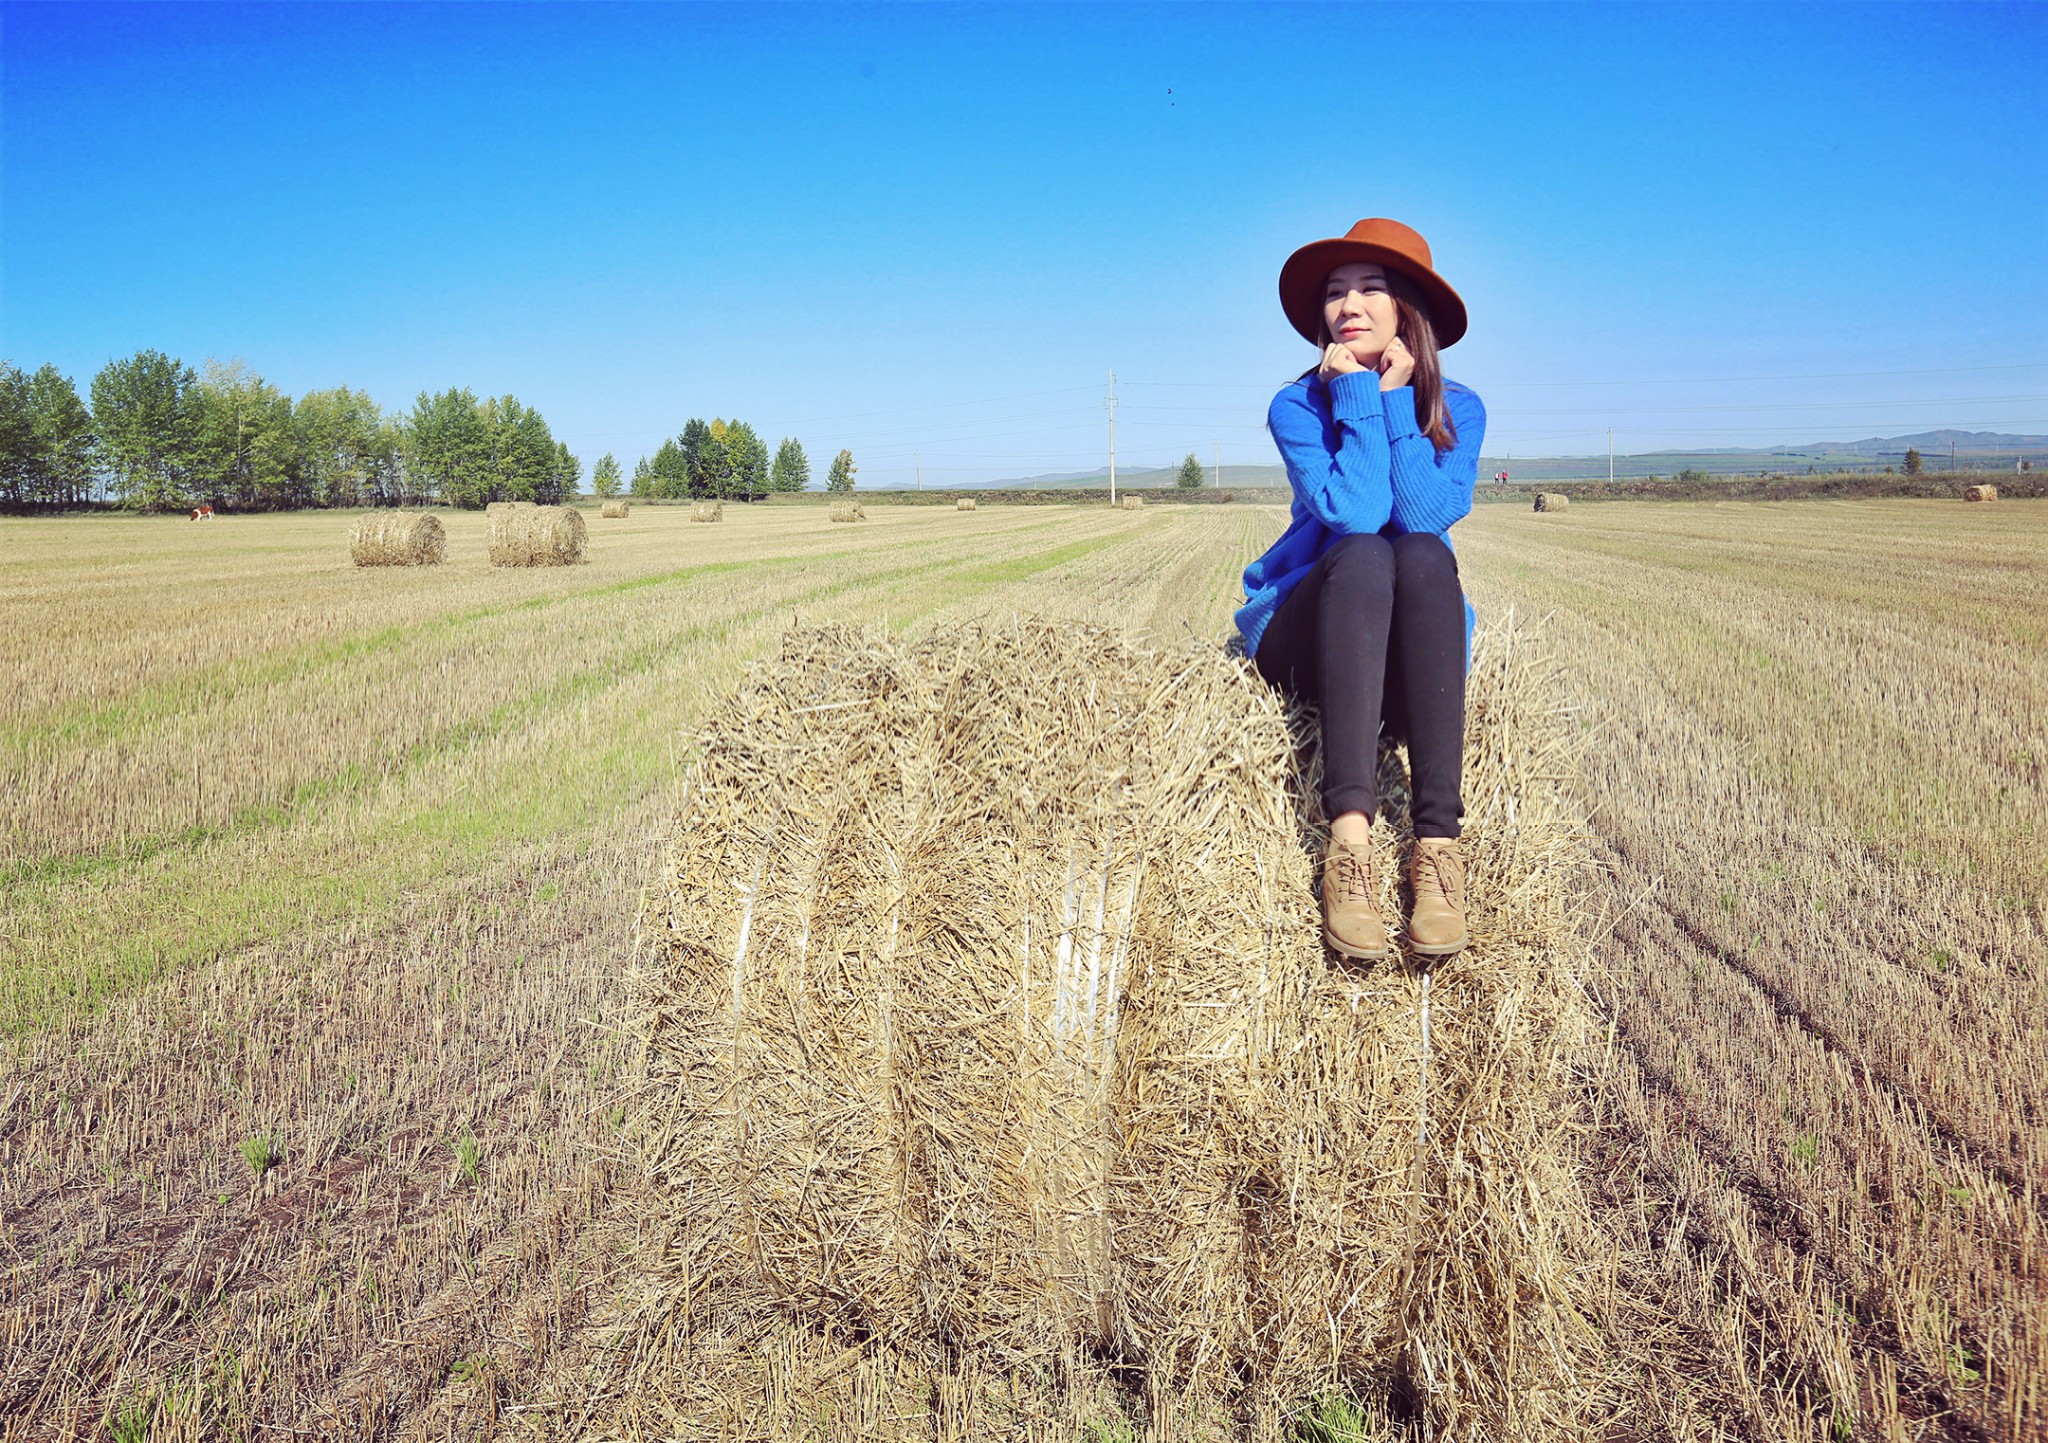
x=1359 y=310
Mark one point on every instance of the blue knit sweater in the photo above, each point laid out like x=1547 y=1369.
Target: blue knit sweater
x=1359 y=465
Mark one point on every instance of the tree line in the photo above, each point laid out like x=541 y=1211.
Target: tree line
x=716 y=459
x=159 y=436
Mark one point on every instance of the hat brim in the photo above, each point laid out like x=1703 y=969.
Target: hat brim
x=1301 y=286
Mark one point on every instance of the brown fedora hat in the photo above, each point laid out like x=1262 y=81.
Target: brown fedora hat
x=1393 y=245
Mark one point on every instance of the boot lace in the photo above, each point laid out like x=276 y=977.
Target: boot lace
x=1442 y=868
x=1346 y=876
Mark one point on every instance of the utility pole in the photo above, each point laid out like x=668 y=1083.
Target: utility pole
x=1951 y=454
x=1610 y=455
x=920 y=468
x=1112 y=438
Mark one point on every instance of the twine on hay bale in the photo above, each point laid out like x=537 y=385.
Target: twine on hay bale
x=708 y=511
x=614 y=509
x=848 y=511
x=986 y=1015
x=964 y=503
x=1980 y=493
x=1552 y=501
x=398 y=538
x=523 y=534
x=1133 y=503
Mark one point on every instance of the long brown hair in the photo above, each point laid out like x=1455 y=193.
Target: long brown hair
x=1412 y=324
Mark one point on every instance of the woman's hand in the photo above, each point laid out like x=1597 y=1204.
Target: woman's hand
x=1338 y=361
x=1397 y=364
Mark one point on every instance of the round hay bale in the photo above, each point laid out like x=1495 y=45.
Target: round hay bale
x=708 y=511
x=523 y=534
x=613 y=509
x=1552 y=501
x=986 y=1014
x=964 y=503
x=848 y=511
x=1980 y=493
x=398 y=538
x=1133 y=503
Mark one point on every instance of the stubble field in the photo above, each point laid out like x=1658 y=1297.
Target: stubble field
x=317 y=888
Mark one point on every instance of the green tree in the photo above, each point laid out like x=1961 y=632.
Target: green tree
x=144 y=423
x=1190 y=475
x=748 y=455
x=792 y=469
x=448 y=449
x=670 y=472
x=522 y=465
x=718 y=468
x=1912 y=461
x=604 y=477
x=692 y=445
x=568 y=473
x=62 y=435
x=644 y=479
x=20 y=456
x=246 y=451
x=348 y=450
x=840 y=478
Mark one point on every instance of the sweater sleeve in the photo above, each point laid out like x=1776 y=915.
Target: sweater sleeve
x=1430 y=493
x=1348 y=489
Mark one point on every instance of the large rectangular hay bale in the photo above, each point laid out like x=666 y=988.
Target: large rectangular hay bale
x=964 y=503
x=398 y=538
x=523 y=534
x=1134 y=503
x=1552 y=501
x=986 y=1015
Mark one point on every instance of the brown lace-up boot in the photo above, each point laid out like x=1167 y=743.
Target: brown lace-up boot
x=1351 y=903
x=1437 y=870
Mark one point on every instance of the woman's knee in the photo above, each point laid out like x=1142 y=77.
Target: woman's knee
x=1369 y=552
x=1424 y=559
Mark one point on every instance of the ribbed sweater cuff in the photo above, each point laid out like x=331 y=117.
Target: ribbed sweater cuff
x=1355 y=396
x=1400 y=406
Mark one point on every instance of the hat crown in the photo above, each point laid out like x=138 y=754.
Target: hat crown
x=1380 y=231
x=1386 y=243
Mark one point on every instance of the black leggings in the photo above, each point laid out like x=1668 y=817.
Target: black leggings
x=1374 y=635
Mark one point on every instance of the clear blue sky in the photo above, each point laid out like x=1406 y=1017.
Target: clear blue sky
x=938 y=227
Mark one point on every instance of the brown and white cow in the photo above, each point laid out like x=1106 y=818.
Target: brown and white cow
x=202 y=513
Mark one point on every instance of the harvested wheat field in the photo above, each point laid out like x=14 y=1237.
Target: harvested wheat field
x=341 y=1102
x=1826 y=1129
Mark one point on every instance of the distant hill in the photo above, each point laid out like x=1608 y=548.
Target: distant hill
x=1978 y=444
x=1974 y=450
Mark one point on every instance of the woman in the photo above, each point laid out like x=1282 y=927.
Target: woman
x=1357 y=607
